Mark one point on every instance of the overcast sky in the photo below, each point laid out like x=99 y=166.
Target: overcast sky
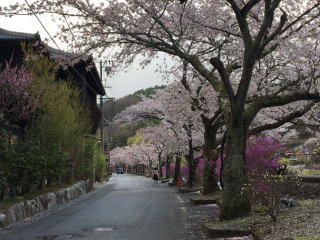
x=121 y=83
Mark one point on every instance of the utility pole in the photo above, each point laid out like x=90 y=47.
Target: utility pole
x=107 y=70
x=108 y=132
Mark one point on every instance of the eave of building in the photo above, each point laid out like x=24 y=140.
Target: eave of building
x=58 y=54
x=10 y=36
x=17 y=36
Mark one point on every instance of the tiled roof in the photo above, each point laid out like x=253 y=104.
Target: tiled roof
x=9 y=35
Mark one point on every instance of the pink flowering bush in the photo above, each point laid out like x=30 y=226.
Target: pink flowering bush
x=17 y=97
x=265 y=185
x=171 y=169
x=185 y=172
x=164 y=171
x=261 y=159
x=200 y=167
x=316 y=166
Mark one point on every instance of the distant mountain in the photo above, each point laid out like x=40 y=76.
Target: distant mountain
x=148 y=91
x=124 y=102
x=120 y=134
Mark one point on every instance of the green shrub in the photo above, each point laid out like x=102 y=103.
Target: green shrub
x=100 y=166
x=285 y=161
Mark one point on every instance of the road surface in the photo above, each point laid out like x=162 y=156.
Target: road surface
x=127 y=207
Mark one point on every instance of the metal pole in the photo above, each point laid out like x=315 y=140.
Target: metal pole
x=190 y=156
x=101 y=109
x=108 y=144
x=109 y=135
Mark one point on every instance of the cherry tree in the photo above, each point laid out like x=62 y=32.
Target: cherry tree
x=124 y=156
x=118 y=156
x=255 y=54
x=174 y=107
x=179 y=123
x=148 y=155
x=18 y=99
x=143 y=154
x=168 y=144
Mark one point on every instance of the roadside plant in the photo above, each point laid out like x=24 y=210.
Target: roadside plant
x=272 y=188
x=93 y=161
x=265 y=186
x=316 y=166
x=21 y=166
x=17 y=98
x=62 y=121
x=100 y=166
x=261 y=159
x=285 y=161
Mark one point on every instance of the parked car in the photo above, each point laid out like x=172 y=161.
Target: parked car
x=120 y=170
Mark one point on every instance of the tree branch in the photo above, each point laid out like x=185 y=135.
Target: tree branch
x=246 y=9
x=279 y=123
x=218 y=64
x=277 y=100
x=277 y=32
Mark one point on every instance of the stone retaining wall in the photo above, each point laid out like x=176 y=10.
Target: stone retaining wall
x=43 y=202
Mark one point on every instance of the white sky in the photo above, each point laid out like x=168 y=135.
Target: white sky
x=121 y=83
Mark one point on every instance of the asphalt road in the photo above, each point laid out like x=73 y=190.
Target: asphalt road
x=127 y=207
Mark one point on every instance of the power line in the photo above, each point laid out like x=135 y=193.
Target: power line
x=65 y=18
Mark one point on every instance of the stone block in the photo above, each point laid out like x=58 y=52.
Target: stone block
x=79 y=190
x=60 y=197
x=43 y=200
x=89 y=185
x=28 y=207
x=3 y=220
x=35 y=209
x=19 y=211
x=52 y=200
x=10 y=216
x=39 y=205
x=67 y=194
x=72 y=192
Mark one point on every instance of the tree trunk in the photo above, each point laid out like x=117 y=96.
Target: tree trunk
x=72 y=173
x=236 y=201
x=167 y=167
x=177 y=169
x=42 y=184
x=211 y=154
x=160 y=165
x=2 y=194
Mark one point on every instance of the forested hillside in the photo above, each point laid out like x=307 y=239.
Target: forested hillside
x=124 y=102
x=120 y=134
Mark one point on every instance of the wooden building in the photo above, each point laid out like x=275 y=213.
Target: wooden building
x=89 y=82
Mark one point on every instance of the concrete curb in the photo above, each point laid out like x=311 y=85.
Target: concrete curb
x=224 y=233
